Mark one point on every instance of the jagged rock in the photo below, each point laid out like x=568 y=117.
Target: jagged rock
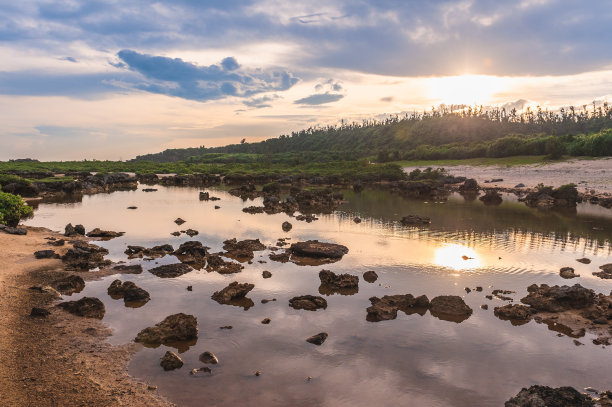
x=154 y=252
x=39 y=312
x=129 y=291
x=191 y=252
x=69 y=285
x=544 y=396
x=46 y=254
x=558 y=298
x=254 y=209
x=411 y=220
x=85 y=307
x=84 y=256
x=308 y=218
x=204 y=196
x=280 y=257
x=129 y=269
x=605 y=273
x=174 y=328
x=171 y=270
x=491 y=197
x=584 y=260
x=216 y=263
x=568 y=272
x=513 y=312
x=308 y=302
x=233 y=293
x=317 y=339
x=209 y=358
x=286 y=226
x=179 y=221
x=385 y=308
x=242 y=250
x=58 y=242
x=171 y=361
x=106 y=234
x=333 y=280
x=370 y=276
x=450 y=308
x=71 y=231
x=191 y=232
x=316 y=249
x=266 y=274
x=175 y=233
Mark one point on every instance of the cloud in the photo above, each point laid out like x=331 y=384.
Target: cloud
x=319 y=99
x=387 y=99
x=69 y=59
x=175 y=77
x=259 y=103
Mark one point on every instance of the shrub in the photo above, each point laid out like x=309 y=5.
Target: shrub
x=13 y=209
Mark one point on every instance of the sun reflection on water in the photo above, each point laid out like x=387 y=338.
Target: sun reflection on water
x=456 y=257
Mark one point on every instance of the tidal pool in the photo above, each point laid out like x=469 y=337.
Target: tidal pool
x=413 y=360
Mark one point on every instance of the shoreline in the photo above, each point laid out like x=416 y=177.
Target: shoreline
x=62 y=359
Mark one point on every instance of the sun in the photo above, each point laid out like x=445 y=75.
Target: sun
x=456 y=257
x=464 y=89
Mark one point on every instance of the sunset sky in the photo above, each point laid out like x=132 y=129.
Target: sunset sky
x=112 y=79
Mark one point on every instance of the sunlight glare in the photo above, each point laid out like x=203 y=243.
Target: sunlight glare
x=451 y=256
x=464 y=89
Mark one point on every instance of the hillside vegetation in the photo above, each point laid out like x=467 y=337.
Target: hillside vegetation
x=439 y=134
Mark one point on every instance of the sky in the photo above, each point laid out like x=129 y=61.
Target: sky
x=111 y=79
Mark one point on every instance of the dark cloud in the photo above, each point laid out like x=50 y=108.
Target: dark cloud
x=319 y=99
x=175 y=77
x=69 y=59
x=259 y=103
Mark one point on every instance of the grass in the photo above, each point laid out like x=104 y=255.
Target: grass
x=486 y=161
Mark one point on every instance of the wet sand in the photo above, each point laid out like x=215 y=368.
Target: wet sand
x=588 y=175
x=60 y=360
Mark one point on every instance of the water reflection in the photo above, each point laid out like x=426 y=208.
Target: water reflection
x=411 y=360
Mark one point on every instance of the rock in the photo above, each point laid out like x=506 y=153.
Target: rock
x=58 y=242
x=84 y=256
x=513 y=312
x=370 y=276
x=226 y=327
x=556 y=299
x=39 y=312
x=545 y=396
x=357 y=187
x=280 y=257
x=233 y=294
x=154 y=252
x=491 y=197
x=568 y=272
x=308 y=302
x=189 y=288
x=71 y=231
x=450 y=308
x=345 y=284
x=520 y=185
x=484 y=306
x=131 y=269
x=69 y=285
x=174 y=328
x=129 y=291
x=411 y=220
x=132 y=207
x=203 y=369
x=149 y=189
x=266 y=274
x=191 y=232
x=469 y=186
x=584 y=260
x=605 y=273
x=266 y=321
x=317 y=339
x=106 y=234
x=242 y=250
x=47 y=290
x=217 y=207
x=171 y=361
x=179 y=221
x=13 y=230
x=254 y=209
x=385 y=308
x=216 y=263
x=175 y=233
x=204 y=196
x=85 y=307
x=208 y=358
x=286 y=226
x=191 y=252
x=171 y=270
x=46 y=254
x=357 y=219
x=265 y=300
x=316 y=249
x=308 y=218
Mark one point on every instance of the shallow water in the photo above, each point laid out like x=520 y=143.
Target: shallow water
x=412 y=361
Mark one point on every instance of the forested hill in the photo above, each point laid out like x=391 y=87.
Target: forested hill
x=436 y=135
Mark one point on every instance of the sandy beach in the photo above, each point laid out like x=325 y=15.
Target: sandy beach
x=61 y=359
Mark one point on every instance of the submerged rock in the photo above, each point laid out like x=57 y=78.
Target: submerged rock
x=129 y=269
x=171 y=361
x=308 y=302
x=316 y=249
x=85 y=307
x=286 y=226
x=513 y=312
x=412 y=220
x=450 y=308
x=385 y=308
x=491 y=197
x=174 y=328
x=317 y=339
x=171 y=270
x=191 y=252
x=154 y=252
x=216 y=263
x=266 y=274
x=242 y=250
x=338 y=281
x=370 y=276
x=568 y=272
x=106 y=234
x=584 y=260
x=544 y=396
x=129 y=291
x=605 y=273
x=69 y=285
